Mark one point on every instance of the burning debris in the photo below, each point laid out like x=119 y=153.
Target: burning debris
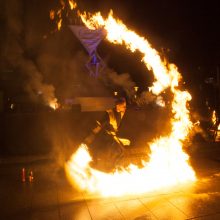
x=168 y=164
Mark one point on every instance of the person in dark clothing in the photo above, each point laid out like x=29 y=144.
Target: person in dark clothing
x=103 y=140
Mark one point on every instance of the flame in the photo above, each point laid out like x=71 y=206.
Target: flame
x=118 y=33
x=54 y=104
x=59 y=13
x=52 y=14
x=72 y=4
x=59 y=24
x=214 y=117
x=168 y=164
x=215 y=120
x=167 y=167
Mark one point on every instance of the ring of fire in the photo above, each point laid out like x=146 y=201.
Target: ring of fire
x=168 y=164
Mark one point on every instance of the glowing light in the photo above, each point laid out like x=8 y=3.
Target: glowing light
x=54 y=104
x=136 y=88
x=168 y=164
x=214 y=117
x=118 y=33
x=161 y=172
x=62 y=3
x=72 y=4
x=52 y=14
x=59 y=13
x=59 y=24
x=160 y=101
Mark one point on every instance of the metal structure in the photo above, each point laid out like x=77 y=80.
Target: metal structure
x=90 y=39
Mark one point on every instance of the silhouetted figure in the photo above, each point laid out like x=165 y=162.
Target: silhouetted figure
x=103 y=141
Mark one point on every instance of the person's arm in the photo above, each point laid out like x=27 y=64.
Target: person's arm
x=102 y=124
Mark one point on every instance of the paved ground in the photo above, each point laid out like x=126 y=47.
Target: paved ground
x=50 y=197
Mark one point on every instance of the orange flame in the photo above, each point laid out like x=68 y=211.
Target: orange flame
x=59 y=24
x=52 y=14
x=118 y=33
x=168 y=163
x=214 y=117
x=72 y=4
x=59 y=13
x=215 y=120
x=53 y=104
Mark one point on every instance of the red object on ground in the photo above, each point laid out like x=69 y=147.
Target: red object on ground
x=23 y=178
x=31 y=176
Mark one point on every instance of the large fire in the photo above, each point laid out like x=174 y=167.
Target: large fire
x=168 y=164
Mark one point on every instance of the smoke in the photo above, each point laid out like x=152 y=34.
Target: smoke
x=56 y=61
x=18 y=56
x=146 y=98
x=34 y=85
x=123 y=81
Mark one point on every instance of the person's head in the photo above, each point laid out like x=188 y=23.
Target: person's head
x=120 y=104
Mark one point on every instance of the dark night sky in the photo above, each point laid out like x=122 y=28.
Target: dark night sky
x=189 y=29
